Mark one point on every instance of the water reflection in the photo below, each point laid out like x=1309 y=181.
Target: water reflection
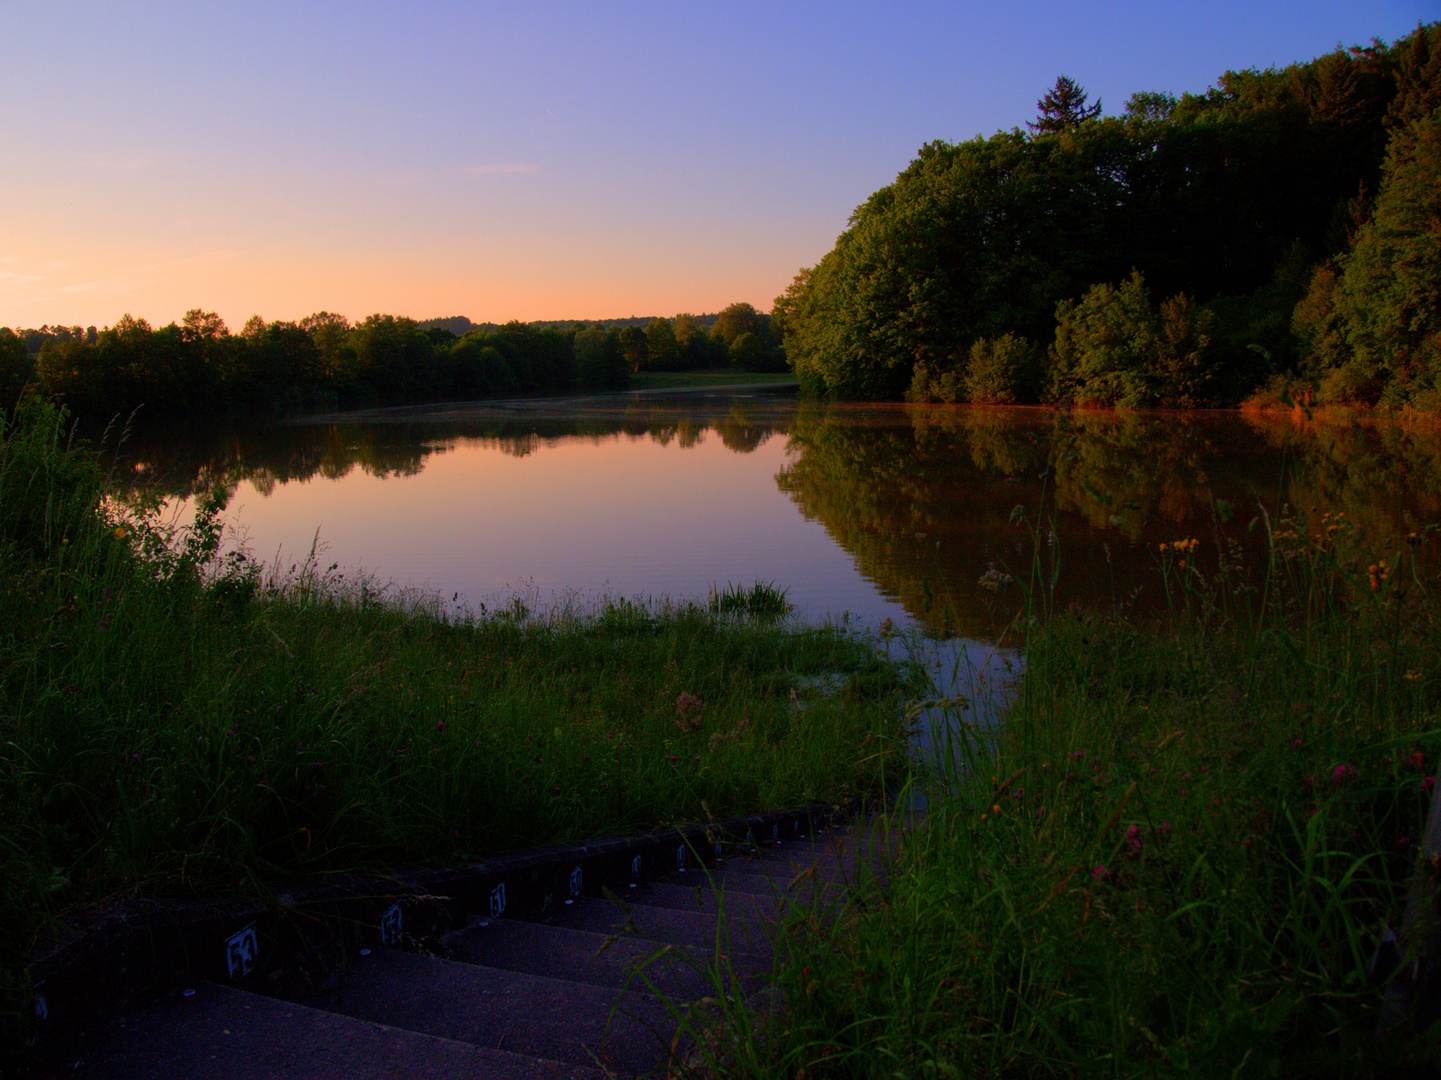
x=917 y=513
x=398 y=442
x=940 y=502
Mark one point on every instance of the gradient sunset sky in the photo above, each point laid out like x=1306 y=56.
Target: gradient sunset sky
x=537 y=161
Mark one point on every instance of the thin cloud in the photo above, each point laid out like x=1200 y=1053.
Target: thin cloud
x=489 y=170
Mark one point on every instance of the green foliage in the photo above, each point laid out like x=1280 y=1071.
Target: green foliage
x=1319 y=330
x=1113 y=347
x=599 y=362
x=1389 y=296
x=1175 y=857
x=1145 y=106
x=737 y=319
x=1003 y=371
x=664 y=349
x=175 y=720
x=198 y=367
x=693 y=345
x=762 y=600
x=634 y=347
x=16 y=368
x=1222 y=198
x=1063 y=108
x=745 y=352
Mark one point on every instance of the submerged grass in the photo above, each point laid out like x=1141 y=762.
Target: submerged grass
x=1177 y=856
x=762 y=601
x=174 y=720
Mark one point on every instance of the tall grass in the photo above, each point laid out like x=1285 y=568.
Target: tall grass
x=177 y=720
x=1177 y=858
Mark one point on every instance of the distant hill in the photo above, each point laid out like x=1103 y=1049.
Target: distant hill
x=459 y=325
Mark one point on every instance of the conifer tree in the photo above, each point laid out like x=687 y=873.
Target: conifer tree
x=1063 y=108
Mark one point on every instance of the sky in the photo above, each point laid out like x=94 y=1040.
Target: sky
x=545 y=161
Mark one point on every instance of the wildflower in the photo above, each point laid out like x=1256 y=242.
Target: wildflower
x=1341 y=773
x=1133 y=840
x=1417 y=758
x=1100 y=873
x=995 y=580
x=688 y=707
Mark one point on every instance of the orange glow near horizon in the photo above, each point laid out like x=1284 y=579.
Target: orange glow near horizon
x=160 y=287
x=528 y=162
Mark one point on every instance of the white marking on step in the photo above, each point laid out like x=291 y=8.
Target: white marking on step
x=241 y=950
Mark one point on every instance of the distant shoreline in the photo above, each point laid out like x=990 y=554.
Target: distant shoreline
x=537 y=404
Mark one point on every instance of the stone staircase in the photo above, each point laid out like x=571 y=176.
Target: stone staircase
x=584 y=980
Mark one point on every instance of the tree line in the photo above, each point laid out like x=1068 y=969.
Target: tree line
x=198 y=366
x=1277 y=236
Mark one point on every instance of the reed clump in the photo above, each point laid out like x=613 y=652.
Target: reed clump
x=1178 y=854
x=175 y=718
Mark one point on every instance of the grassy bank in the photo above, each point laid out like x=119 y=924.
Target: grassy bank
x=1177 y=858
x=176 y=720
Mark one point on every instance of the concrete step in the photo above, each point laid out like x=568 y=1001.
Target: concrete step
x=557 y=1019
x=694 y=931
x=579 y=987
x=562 y=952
x=221 y=1033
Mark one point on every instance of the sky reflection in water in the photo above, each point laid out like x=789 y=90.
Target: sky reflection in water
x=866 y=512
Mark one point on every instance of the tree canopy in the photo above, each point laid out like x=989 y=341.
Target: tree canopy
x=1282 y=222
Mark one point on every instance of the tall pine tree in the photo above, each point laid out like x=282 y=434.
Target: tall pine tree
x=1063 y=108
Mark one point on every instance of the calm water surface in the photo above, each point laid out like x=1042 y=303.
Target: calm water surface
x=865 y=512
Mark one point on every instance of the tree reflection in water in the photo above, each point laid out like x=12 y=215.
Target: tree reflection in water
x=947 y=510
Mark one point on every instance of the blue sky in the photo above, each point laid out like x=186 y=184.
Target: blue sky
x=567 y=160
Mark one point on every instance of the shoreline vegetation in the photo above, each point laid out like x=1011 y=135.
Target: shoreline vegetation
x=1179 y=854
x=1273 y=239
x=324 y=363
x=176 y=719
x=1181 y=849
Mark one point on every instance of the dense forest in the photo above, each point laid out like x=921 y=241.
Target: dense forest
x=1275 y=238
x=198 y=367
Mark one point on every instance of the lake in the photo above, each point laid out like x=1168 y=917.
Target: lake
x=861 y=512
